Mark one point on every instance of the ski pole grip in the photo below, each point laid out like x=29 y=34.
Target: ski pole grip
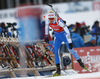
x=49 y=5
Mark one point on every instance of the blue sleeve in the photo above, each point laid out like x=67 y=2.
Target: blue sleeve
x=93 y=31
x=0 y=29
x=81 y=41
x=9 y=33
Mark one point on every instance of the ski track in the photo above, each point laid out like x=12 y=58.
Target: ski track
x=95 y=75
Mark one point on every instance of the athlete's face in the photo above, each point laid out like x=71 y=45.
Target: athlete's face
x=51 y=20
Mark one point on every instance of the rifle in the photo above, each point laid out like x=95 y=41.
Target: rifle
x=46 y=53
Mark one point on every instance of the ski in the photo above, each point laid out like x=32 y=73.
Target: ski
x=86 y=69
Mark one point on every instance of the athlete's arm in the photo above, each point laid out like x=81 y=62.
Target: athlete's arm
x=47 y=31
x=62 y=24
x=47 y=27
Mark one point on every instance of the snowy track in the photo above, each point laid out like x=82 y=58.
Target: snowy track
x=95 y=75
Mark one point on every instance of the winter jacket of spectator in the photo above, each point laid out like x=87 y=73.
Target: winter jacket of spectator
x=95 y=29
x=98 y=41
x=88 y=44
x=77 y=40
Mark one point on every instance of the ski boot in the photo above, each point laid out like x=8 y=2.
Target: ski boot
x=83 y=66
x=58 y=72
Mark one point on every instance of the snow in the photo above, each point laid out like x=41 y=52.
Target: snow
x=89 y=17
x=95 y=75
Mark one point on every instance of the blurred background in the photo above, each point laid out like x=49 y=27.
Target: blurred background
x=25 y=19
x=83 y=14
x=6 y=4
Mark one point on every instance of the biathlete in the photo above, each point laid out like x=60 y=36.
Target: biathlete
x=62 y=34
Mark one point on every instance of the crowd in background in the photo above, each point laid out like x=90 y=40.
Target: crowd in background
x=8 y=29
x=4 y=32
x=78 y=31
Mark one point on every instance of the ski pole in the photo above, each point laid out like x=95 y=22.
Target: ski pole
x=53 y=10
x=56 y=12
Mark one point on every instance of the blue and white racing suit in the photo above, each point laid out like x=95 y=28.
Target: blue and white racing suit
x=62 y=36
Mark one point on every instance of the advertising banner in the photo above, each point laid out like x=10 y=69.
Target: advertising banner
x=96 y=5
x=90 y=57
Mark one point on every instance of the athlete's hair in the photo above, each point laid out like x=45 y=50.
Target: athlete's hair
x=51 y=11
x=51 y=14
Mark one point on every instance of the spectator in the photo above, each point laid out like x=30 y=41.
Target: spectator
x=92 y=42
x=96 y=29
x=4 y=30
x=72 y=27
x=78 y=27
x=84 y=29
x=98 y=41
x=76 y=38
x=96 y=25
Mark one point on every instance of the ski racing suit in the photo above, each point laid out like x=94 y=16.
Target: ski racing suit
x=61 y=34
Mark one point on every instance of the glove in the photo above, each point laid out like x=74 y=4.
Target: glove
x=46 y=39
x=70 y=45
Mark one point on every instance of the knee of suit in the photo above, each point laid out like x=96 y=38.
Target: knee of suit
x=74 y=53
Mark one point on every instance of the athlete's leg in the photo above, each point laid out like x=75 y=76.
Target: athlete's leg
x=57 y=44
x=67 y=40
x=73 y=52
